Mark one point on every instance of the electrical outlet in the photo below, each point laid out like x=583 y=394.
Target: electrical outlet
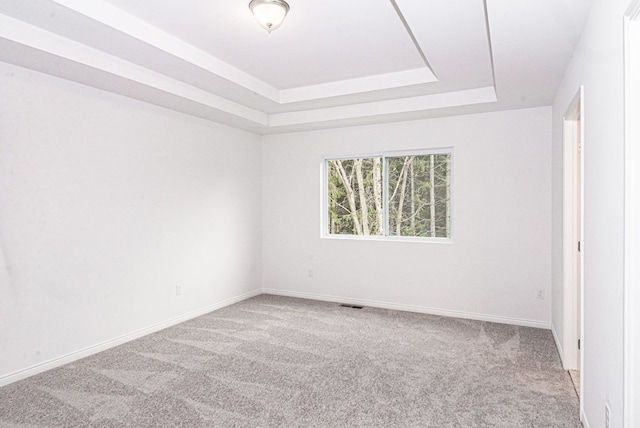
x=607 y=416
x=178 y=290
x=310 y=273
x=540 y=294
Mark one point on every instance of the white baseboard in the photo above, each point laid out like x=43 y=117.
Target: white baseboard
x=558 y=344
x=583 y=419
x=411 y=308
x=82 y=353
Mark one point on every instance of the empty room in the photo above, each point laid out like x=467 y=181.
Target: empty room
x=269 y=213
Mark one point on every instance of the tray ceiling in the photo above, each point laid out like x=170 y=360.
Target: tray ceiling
x=330 y=64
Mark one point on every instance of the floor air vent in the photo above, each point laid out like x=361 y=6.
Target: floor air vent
x=344 y=305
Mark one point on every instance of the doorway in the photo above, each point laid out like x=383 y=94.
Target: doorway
x=573 y=242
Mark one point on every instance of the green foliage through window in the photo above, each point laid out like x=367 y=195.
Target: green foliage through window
x=390 y=196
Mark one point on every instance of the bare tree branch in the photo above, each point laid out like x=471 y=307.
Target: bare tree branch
x=364 y=211
x=377 y=194
x=403 y=187
x=350 y=195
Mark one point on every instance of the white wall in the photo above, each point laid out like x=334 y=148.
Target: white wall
x=632 y=220
x=105 y=204
x=500 y=255
x=598 y=65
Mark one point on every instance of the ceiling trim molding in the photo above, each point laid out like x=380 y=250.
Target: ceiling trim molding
x=407 y=28
x=488 y=27
x=132 y=26
x=359 y=85
x=633 y=12
x=95 y=43
x=34 y=37
x=128 y=24
x=394 y=106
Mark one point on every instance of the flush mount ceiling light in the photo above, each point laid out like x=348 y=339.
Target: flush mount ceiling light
x=269 y=13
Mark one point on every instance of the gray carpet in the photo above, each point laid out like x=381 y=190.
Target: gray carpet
x=274 y=361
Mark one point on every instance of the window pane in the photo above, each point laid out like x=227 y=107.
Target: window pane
x=419 y=195
x=354 y=196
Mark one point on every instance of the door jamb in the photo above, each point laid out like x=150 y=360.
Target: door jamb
x=571 y=256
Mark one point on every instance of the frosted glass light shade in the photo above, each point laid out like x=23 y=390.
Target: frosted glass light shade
x=269 y=13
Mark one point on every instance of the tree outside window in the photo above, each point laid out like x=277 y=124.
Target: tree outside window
x=400 y=196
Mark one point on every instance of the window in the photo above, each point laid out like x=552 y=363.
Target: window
x=399 y=195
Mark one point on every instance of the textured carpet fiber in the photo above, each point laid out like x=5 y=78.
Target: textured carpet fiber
x=275 y=361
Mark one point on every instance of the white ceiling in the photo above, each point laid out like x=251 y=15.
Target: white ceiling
x=316 y=45
x=332 y=63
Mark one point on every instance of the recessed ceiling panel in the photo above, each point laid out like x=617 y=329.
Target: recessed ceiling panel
x=531 y=47
x=454 y=36
x=332 y=63
x=319 y=42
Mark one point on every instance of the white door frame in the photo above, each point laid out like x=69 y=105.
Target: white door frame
x=572 y=259
x=631 y=224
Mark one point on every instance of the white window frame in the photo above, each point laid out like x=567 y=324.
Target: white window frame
x=324 y=226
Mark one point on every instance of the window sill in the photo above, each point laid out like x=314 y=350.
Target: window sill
x=389 y=239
